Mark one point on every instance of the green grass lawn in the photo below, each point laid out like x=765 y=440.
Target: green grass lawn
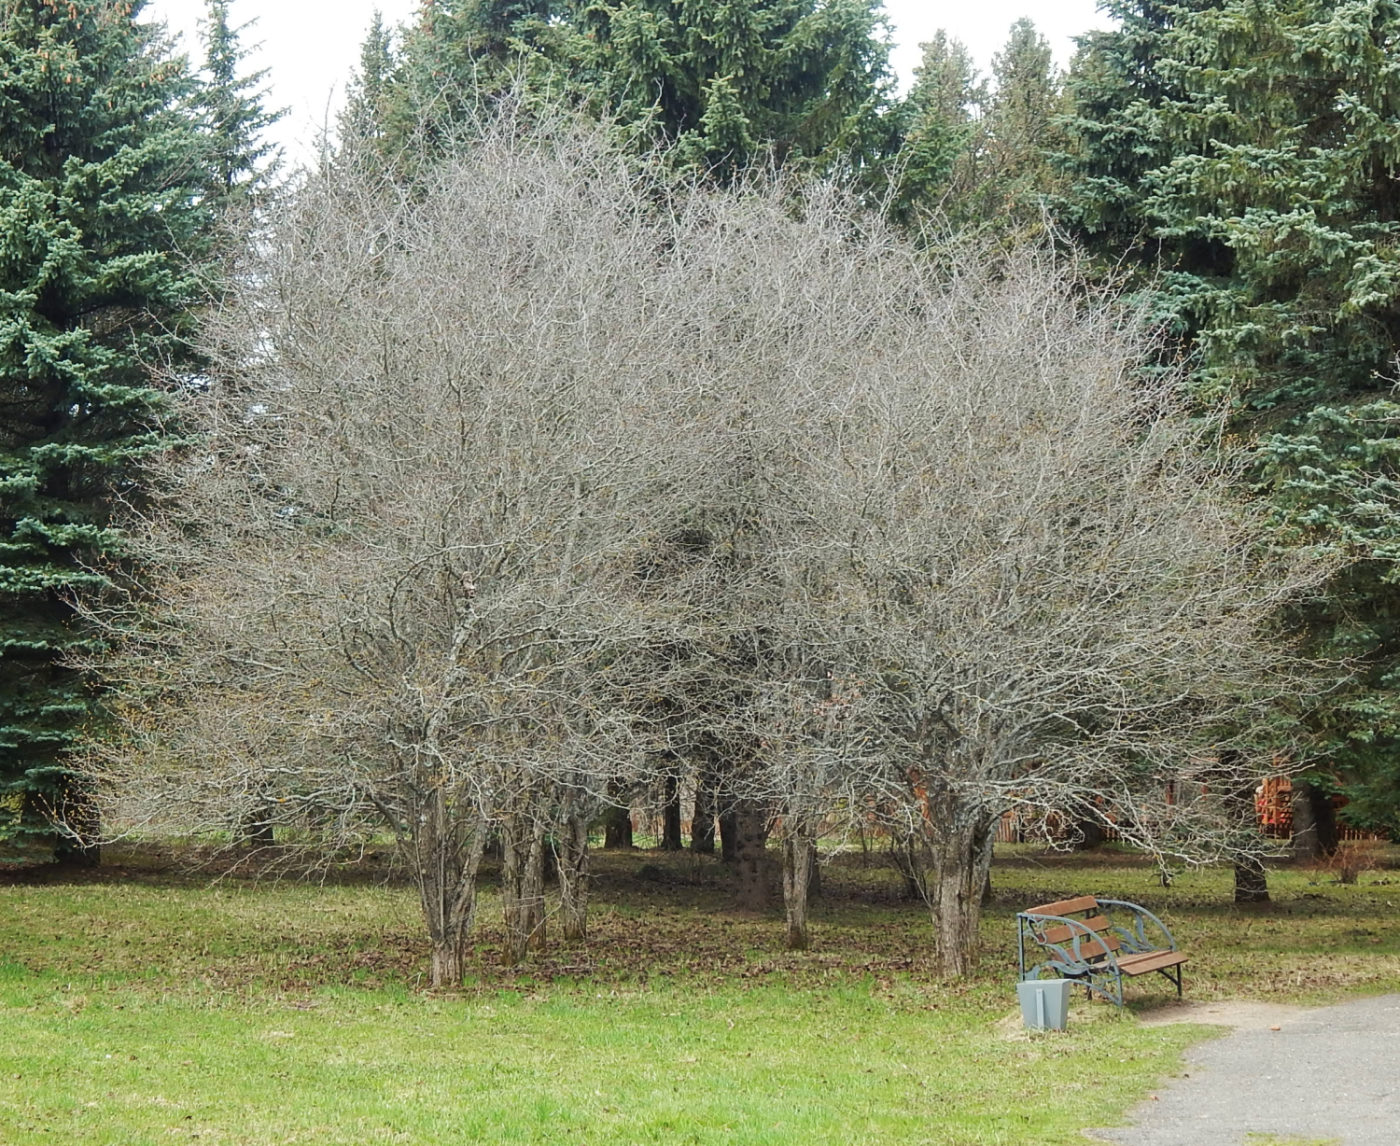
x=142 y=1006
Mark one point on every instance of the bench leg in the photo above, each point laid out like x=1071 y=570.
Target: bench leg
x=1173 y=975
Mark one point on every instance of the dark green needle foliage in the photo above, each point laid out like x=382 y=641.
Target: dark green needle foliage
x=1118 y=90
x=940 y=129
x=721 y=84
x=975 y=156
x=101 y=178
x=242 y=159
x=1241 y=157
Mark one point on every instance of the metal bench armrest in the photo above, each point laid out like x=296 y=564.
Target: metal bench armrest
x=1138 y=937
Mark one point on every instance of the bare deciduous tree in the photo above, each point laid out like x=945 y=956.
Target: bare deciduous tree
x=1031 y=569
x=396 y=578
x=518 y=488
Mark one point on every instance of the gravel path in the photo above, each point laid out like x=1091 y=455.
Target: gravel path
x=1284 y=1075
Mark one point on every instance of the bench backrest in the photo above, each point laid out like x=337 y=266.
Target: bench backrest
x=1083 y=909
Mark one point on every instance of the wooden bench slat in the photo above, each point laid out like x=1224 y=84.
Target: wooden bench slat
x=1149 y=961
x=1066 y=906
x=1063 y=932
x=1097 y=948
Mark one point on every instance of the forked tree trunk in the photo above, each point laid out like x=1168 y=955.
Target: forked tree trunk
x=446 y=858
x=522 y=885
x=573 y=878
x=751 y=848
x=962 y=858
x=799 y=864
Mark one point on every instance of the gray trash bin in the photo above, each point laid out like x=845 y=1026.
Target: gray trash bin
x=1045 y=1003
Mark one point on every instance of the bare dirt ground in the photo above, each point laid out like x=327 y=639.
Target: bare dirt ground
x=1236 y=1014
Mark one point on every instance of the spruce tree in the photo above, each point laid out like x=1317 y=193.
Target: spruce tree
x=240 y=157
x=980 y=158
x=1241 y=156
x=721 y=86
x=1113 y=133
x=367 y=99
x=1289 y=156
x=728 y=82
x=1286 y=145
x=940 y=128
x=1017 y=178
x=101 y=180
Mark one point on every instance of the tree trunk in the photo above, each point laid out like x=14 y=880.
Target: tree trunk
x=445 y=860
x=573 y=879
x=962 y=858
x=1315 y=833
x=751 y=854
x=522 y=885
x=256 y=828
x=799 y=864
x=729 y=835
x=1251 y=880
x=671 y=840
x=70 y=853
x=702 y=819
x=617 y=828
x=1089 y=834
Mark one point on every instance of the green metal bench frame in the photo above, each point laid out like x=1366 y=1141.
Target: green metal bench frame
x=1097 y=942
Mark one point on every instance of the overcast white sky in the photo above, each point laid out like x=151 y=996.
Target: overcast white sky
x=309 y=46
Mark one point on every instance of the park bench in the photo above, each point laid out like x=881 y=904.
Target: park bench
x=1097 y=942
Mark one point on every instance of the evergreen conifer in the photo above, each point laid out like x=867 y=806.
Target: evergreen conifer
x=1241 y=157
x=101 y=182
x=241 y=158
x=722 y=85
